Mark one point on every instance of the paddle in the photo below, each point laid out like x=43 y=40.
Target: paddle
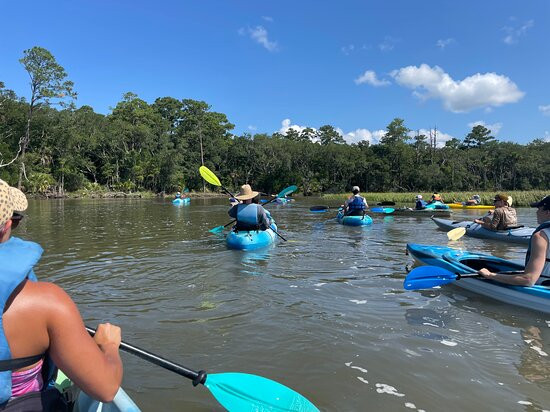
x=235 y=391
x=456 y=233
x=425 y=277
x=386 y=210
x=211 y=178
x=385 y=204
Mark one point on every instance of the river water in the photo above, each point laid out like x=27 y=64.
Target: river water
x=324 y=313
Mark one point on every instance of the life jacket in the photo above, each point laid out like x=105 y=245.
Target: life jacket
x=420 y=204
x=546 y=228
x=17 y=258
x=247 y=216
x=358 y=203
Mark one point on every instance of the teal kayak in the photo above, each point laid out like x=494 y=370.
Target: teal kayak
x=251 y=239
x=437 y=206
x=180 y=201
x=353 y=220
x=121 y=403
x=535 y=297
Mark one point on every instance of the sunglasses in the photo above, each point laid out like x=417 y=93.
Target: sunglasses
x=15 y=219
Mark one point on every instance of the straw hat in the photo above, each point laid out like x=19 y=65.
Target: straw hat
x=11 y=200
x=246 y=193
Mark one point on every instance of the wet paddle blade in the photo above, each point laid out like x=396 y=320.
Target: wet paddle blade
x=244 y=392
x=456 y=233
x=416 y=284
x=217 y=229
x=287 y=191
x=425 y=277
x=386 y=210
x=209 y=176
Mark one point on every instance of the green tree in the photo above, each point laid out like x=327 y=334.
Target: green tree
x=478 y=137
x=327 y=134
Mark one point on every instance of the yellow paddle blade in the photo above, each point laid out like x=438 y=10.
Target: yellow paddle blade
x=456 y=233
x=209 y=176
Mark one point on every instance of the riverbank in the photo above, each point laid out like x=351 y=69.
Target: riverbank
x=107 y=194
x=520 y=198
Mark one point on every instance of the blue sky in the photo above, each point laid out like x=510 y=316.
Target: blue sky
x=270 y=65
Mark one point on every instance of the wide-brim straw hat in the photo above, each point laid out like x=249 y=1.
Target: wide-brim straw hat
x=11 y=200
x=246 y=193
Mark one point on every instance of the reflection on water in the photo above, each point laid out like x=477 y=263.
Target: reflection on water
x=324 y=313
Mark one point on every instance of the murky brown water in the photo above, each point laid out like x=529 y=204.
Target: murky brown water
x=324 y=313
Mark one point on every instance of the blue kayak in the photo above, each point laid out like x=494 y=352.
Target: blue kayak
x=180 y=201
x=536 y=297
x=353 y=220
x=251 y=239
x=437 y=206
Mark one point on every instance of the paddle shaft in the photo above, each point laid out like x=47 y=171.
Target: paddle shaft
x=196 y=377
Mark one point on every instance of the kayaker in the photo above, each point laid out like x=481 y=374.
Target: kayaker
x=502 y=218
x=436 y=198
x=420 y=203
x=356 y=204
x=42 y=328
x=475 y=200
x=537 y=259
x=249 y=214
x=178 y=195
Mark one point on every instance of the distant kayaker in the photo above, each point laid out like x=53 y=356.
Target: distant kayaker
x=42 y=328
x=249 y=214
x=474 y=201
x=420 y=204
x=537 y=259
x=356 y=204
x=178 y=195
x=436 y=198
x=502 y=218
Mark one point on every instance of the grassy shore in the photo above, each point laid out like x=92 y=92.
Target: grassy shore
x=521 y=198
x=108 y=194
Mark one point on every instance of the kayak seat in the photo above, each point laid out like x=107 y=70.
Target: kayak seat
x=512 y=228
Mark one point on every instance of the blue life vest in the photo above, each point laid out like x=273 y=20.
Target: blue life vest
x=544 y=225
x=420 y=204
x=248 y=214
x=17 y=258
x=358 y=203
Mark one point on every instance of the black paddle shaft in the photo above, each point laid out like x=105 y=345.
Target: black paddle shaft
x=196 y=377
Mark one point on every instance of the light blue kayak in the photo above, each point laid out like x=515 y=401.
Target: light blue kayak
x=180 y=201
x=121 y=403
x=353 y=220
x=251 y=239
x=437 y=206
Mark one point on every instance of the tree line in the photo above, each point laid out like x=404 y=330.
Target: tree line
x=49 y=145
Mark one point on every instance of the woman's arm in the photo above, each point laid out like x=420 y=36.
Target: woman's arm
x=532 y=270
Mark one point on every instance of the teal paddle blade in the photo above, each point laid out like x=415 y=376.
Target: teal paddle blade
x=386 y=210
x=287 y=191
x=425 y=277
x=217 y=229
x=244 y=392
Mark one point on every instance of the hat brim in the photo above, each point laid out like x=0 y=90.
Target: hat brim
x=246 y=197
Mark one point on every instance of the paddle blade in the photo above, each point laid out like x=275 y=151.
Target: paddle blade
x=287 y=191
x=456 y=233
x=385 y=204
x=244 y=392
x=186 y=190
x=386 y=210
x=209 y=176
x=425 y=277
x=217 y=229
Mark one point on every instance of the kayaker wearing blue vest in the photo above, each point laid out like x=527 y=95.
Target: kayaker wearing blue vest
x=41 y=327
x=537 y=259
x=419 y=203
x=356 y=204
x=249 y=214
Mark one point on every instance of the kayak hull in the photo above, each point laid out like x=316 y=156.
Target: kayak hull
x=354 y=220
x=405 y=211
x=252 y=239
x=84 y=403
x=520 y=235
x=184 y=201
x=461 y=206
x=463 y=262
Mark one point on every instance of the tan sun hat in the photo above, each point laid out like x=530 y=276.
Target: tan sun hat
x=11 y=200
x=246 y=193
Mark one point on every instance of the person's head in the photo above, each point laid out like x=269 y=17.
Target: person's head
x=247 y=194
x=476 y=198
x=355 y=190
x=178 y=194
x=418 y=197
x=500 y=200
x=12 y=200
x=543 y=209
x=436 y=196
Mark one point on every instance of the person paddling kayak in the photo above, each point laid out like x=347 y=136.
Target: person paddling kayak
x=502 y=218
x=249 y=214
x=42 y=329
x=537 y=259
x=356 y=204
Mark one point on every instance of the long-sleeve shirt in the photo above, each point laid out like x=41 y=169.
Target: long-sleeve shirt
x=501 y=219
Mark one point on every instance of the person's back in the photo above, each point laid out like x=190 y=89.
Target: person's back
x=41 y=325
x=420 y=203
x=356 y=204
x=249 y=214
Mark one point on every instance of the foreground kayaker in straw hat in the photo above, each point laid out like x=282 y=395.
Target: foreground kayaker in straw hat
x=249 y=214
x=502 y=217
x=537 y=259
x=42 y=328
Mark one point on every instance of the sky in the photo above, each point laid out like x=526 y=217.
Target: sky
x=271 y=65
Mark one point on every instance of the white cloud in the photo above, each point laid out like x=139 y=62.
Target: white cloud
x=267 y=18
x=387 y=44
x=252 y=128
x=514 y=33
x=260 y=36
x=494 y=128
x=440 y=137
x=478 y=90
x=360 y=135
x=286 y=124
x=369 y=77
x=347 y=49
x=444 y=43
x=545 y=110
